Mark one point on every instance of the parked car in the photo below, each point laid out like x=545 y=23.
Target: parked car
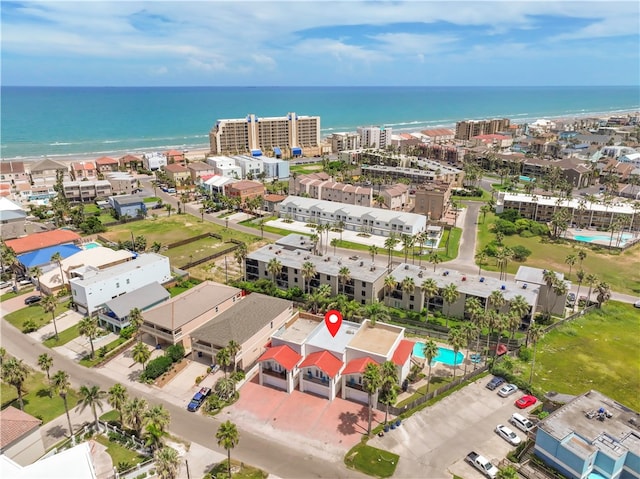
x=198 y=399
x=521 y=422
x=495 y=382
x=637 y=304
x=5 y=284
x=526 y=401
x=507 y=390
x=32 y=300
x=571 y=299
x=507 y=434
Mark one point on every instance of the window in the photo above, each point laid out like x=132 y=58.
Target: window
x=117 y=285
x=363 y=293
x=127 y=280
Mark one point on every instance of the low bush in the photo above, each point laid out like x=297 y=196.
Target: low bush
x=175 y=352
x=127 y=332
x=29 y=326
x=157 y=367
x=237 y=376
x=525 y=354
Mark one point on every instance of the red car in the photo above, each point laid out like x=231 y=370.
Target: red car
x=526 y=401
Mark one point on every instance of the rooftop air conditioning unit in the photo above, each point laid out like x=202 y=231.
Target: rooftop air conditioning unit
x=406 y=266
x=420 y=274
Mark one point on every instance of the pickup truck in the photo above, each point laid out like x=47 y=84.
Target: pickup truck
x=198 y=399
x=482 y=464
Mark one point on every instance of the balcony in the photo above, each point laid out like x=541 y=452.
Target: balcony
x=312 y=379
x=275 y=374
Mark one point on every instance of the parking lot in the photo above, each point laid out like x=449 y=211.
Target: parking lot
x=435 y=441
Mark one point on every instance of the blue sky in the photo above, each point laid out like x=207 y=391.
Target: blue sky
x=317 y=43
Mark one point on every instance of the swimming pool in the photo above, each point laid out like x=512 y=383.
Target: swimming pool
x=91 y=245
x=605 y=238
x=445 y=355
x=526 y=178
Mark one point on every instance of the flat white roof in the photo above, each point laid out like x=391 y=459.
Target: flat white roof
x=142 y=260
x=619 y=207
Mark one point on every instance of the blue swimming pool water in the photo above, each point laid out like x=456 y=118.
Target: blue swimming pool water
x=525 y=178
x=91 y=245
x=445 y=355
x=604 y=238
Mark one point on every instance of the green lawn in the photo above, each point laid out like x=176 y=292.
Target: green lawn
x=36 y=398
x=11 y=294
x=598 y=351
x=176 y=290
x=120 y=454
x=110 y=416
x=194 y=251
x=89 y=363
x=169 y=229
x=618 y=269
x=63 y=337
x=372 y=461
x=36 y=313
x=255 y=223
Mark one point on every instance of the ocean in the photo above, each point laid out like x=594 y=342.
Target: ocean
x=67 y=122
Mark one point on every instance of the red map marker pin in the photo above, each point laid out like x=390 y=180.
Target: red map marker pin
x=333 y=321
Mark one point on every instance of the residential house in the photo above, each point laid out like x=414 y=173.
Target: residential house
x=86 y=191
x=47 y=172
x=396 y=197
x=132 y=206
x=364 y=285
x=105 y=164
x=20 y=438
x=439 y=135
x=354 y=218
x=548 y=300
x=174 y=156
x=81 y=170
x=177 y=173
x=39 y=194
x=130 y=162
x=319 y=186
x=271 y=202
x=275 y=167
x=46 y=239
x=173 y=321
x=115 y=314
x=10 y=171
x=251 y=167
x=122 y=183
x=154 y=161
x=198 y=169
x=245 y=190
x=215 y=184
x=591 y=436
x=250 y=323
x=225 y=166
x=12 y=219
x=91 y=287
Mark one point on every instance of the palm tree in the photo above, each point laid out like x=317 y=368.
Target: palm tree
x=429 y=289
x=134 y=412
x=389 y=284
x=274 y=267
x=534 y=334
x=473 y=306
x=407 y=243
x=167 y=461
x=501 y=323
x=458 y=340
x=316 y=300
x=408 y=286
x=450 y=295
x=234 y=348
x=223 y=358
x=376 y=312
x=373 y=251
x=481 y=258
x=135 y=321
x=389 y=385
x=603 y=291
x=389 y=244
x=334 y=242
x=158 y=417
x=344 y=276
x=518 y=307
x=228 y=438
x=497 y=299
x=240 y=255
x=469 y=331
x=308 y=272
x=548 y=276
x=61 y=386
x=430 y=351
x=582 y=254
x=36 y=272
x=141 y=353
x=571 y=260
x=92 y=397
x=45 y=362
x=57 y=258
x=118 y=398
x=580 y=274
x=435 y=259
x=88 y=327
x=591 y=280
x=15 y=373
x=49 y=303
x=169 y=208
x=371 y=382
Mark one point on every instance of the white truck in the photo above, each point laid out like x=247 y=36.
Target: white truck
x=482 y=464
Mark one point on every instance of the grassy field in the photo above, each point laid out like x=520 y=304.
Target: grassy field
x=36 y=313
x=194 y=251
x=372 y=461
x=169 y=229
x=120 y=454
x=618 y=269
x=598 y=351
x=11 y=294
x=36 y=398
x=63 y=337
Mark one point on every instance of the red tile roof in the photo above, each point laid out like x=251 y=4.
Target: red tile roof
x=83 y=165
x=37 y=241
x=283 y=355
x=176 y=168
x=105 y=160
x=8 y=167
x=356 y=366
x=324 y=361
x=246 y=185
x=402 y=352
x=438 y=132
x=274 y=198
x=14 y=424
x=491 y=137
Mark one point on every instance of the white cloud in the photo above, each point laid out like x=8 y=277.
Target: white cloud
x=264 y=61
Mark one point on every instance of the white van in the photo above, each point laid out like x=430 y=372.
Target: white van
x=521 y=422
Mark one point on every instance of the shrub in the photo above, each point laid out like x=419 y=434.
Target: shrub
x=29 y=326
x=198 y=379
x=526 y=234
x=525 y=354
x=175 y=352
x=123 y=466
x=127 y=332
x=237 y=376
x=520 y=253
x=157 y=367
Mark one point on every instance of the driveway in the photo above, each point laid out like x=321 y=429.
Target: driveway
x=435 y=441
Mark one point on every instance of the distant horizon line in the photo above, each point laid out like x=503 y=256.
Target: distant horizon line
x=321 y=86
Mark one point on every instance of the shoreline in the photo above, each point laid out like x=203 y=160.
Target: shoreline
x=198 y=151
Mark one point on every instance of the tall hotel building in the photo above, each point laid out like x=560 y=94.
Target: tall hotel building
x=285 y=136
x=465 y=130
x=374 y=136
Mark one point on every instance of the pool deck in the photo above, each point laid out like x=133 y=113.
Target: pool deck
x=599 y=237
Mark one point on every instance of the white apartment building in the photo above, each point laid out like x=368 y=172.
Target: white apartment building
x=344 y=141
x=289 y=135
x=122 y=182
x=225 y=166
x=374 y=136
x=355 y=218
x=275 y=168
x=249 y=165
x=92 y=287
x=154 y=161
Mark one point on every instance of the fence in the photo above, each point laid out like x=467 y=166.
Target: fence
x=210 y=257
x=569 y=318
x=396 y=411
